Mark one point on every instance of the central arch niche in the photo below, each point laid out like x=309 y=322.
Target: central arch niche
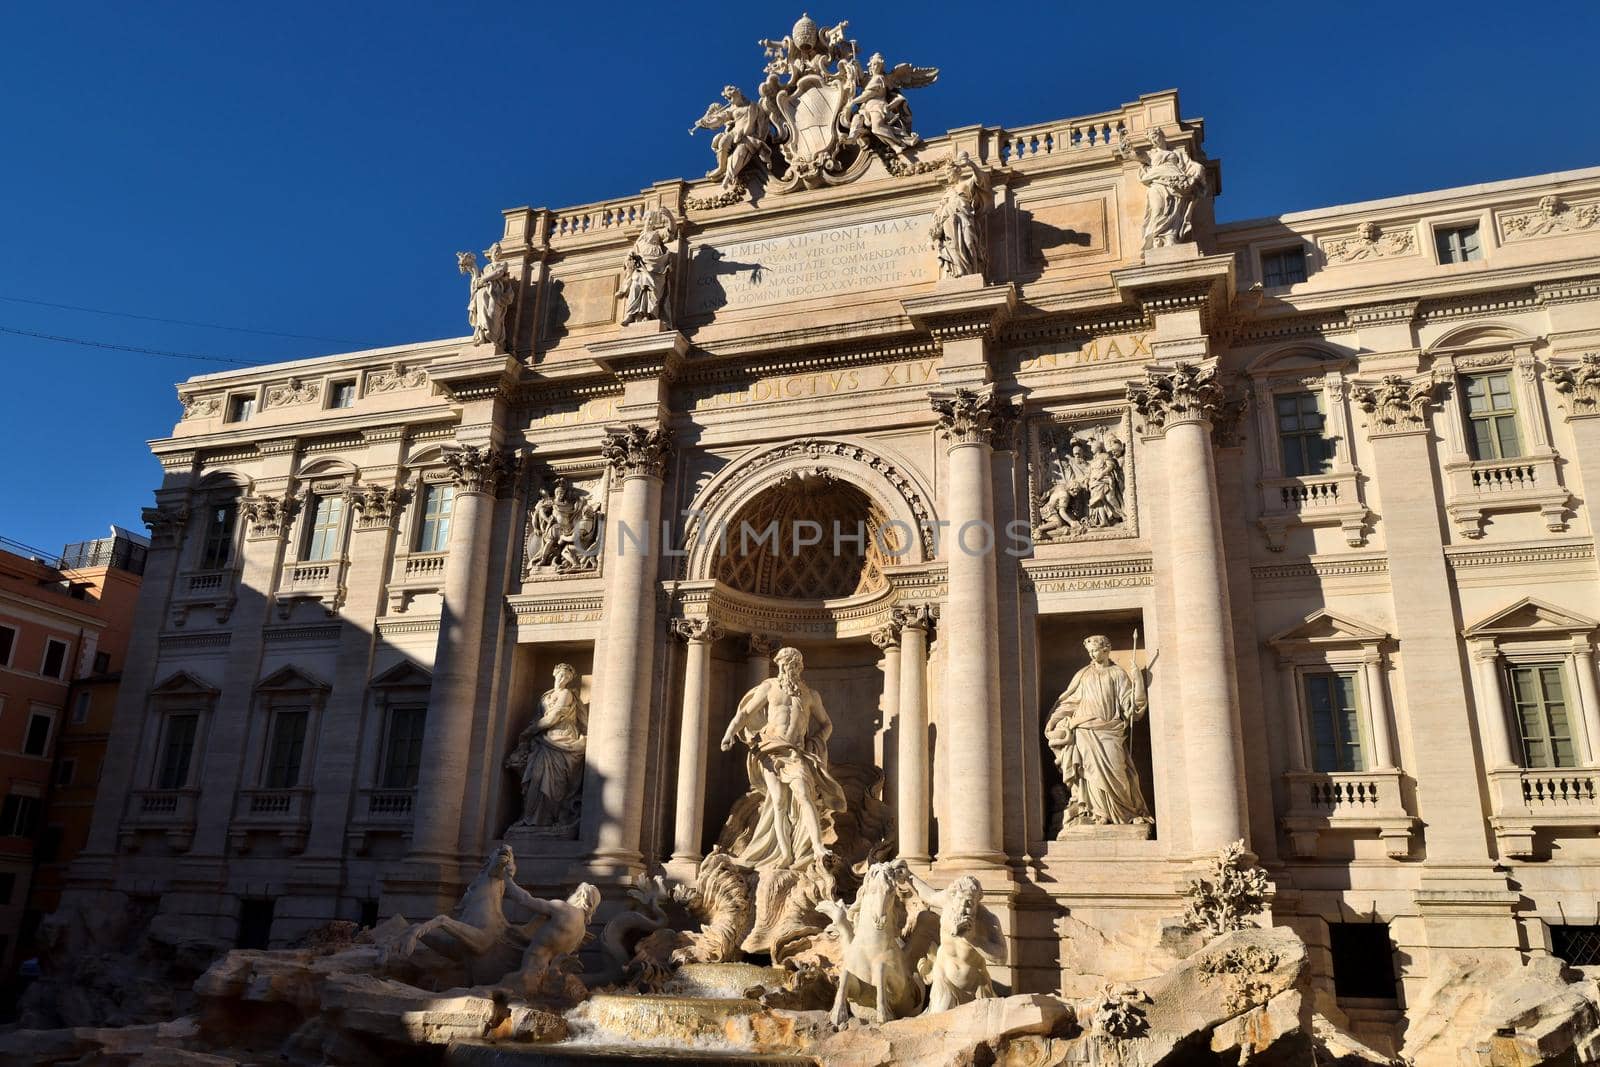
x=767 y=549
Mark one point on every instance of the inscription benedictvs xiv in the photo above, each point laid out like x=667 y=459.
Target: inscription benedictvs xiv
x=816 y=263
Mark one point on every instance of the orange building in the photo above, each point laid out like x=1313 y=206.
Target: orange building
x=63 y=636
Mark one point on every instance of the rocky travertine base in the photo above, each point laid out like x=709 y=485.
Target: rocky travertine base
x=1244 y=997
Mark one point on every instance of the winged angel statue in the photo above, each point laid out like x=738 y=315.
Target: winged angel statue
x=819 y=108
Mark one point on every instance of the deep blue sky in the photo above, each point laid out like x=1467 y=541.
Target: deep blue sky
x=313 y=168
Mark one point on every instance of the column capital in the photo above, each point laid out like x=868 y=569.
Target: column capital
x=1397 y=404
x=637 y=451
x=696 y=631
x=916 y=616
x=887 y=637
x=378 y=505
x=975 y=416
x=1485 y=650
x=1183 y=393
x=268 y=516
x=166 y=523
x=478 y=468
x=1579 y=385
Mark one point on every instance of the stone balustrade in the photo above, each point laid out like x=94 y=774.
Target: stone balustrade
x=1480 y=488
x=286 y=812
x=1528 y=800
x=380 y=812
x=1312 y=500
x=170 y=812
x=1347 y=802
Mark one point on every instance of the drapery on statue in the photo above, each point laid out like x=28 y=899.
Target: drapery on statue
x=743 y=136
x=549 y=755
x=883 y=111
x=489 y=299
x=646 y=289
x=786 y=728
x=1172 y=182
x=958 y=222
x=1088 y=731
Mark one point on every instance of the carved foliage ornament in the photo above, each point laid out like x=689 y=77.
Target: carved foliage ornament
x=294 y=391
x=477 y=469
x=1186 y=393
x=1231 y=892
x=1552 y=218
x=916 y=617
x=378 y=505
x=637 y=451
x=201 y=407
x=268 y=516
x=821 y=108
x=1580 y=384
x=1397 y=404
x=1369 y=242
x=975 y=416
x=396 y=377
x=702 y=630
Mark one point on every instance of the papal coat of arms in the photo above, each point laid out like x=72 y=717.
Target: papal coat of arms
x=820 y=108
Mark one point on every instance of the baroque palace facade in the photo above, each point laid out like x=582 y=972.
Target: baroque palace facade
x=1324 y=481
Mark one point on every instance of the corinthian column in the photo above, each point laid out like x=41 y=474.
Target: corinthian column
x=476 y=473
x=973 y=422
x=911 y=729
x=688 y=820
x=887 y=638
x=619 y=721
x=1180 y=404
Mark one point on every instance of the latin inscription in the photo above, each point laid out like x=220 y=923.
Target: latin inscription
x=818 y=383
x=1099 y=350
x=600 y=409
x=806 y=266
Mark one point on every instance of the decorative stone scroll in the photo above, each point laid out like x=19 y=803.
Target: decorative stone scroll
x=1186 y=393
x=1553 y=218
x=268 y=516
x=563 y=531
x=1580 y=384
x=292 y=392
x=820 y=109
x=477 y=468
x=395 y=378
x=1079 y=482
x=916 y=617
x=704 y=631
x=1397 y=404
x=1369 y=242
x=166 y=525
x=975 y=416
x=201 y=407
x=635 y=451
x=489 y=296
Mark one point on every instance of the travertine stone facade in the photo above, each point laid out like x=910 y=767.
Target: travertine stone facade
x=1342 y=490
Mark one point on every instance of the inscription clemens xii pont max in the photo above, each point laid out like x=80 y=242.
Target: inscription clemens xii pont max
x=816 y=263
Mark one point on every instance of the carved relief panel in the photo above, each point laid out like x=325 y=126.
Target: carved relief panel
x=1081 y=476
x=562 y=533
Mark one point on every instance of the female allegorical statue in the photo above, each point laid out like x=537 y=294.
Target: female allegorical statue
x=1173 y=182
x=1088 y=732
x=550 y=755
x=958 y=222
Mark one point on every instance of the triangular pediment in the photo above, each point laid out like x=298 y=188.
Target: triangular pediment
x=1326 y=627
x=1531 y=616
x=290 y=679
x=182 y=683
x=403 y=675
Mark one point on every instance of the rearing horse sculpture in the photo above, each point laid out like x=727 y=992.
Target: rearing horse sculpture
x=880 y=947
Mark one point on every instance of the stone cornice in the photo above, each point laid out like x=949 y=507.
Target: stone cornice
x=477 y=377
x=641 y=355
x=963 y=310
x=1178 y=283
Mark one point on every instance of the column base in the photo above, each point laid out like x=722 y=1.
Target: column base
x=960 y=862
x=683 y=867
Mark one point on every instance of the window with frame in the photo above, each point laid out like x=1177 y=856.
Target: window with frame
x=1491 y=415
x=1363 y=960
x=241 y=407
x=8 y=641
x=1335 y=719
x=1578 y=945
x=177 y=751
x=1302 y=438
x=323 y=527
x=55 y=658
x=80 y=708
x=402 y=749
x=1458 y=244
x=342 y=395
x=286 y=748
x=1283 y=266
x=1539 y=702
x=216 y=550
x=433 y=532
x=37 y=740
x=18 y=815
